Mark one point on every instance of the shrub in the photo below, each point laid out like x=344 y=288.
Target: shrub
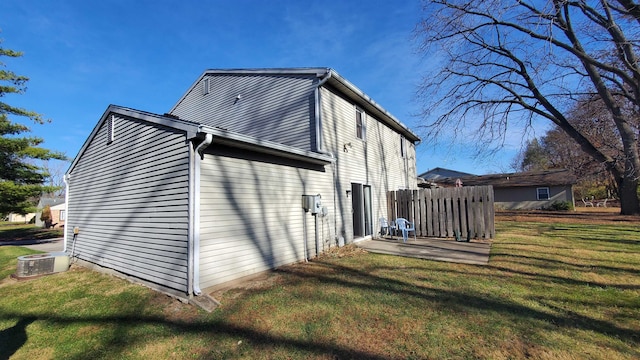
x=561 y=205
x=46 y=216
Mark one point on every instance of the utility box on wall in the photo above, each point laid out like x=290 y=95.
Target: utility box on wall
x=312 y=203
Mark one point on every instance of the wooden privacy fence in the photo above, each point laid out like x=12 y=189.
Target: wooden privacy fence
x=446 y=212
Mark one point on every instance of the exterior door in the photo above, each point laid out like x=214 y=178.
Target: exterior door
x=361 y=208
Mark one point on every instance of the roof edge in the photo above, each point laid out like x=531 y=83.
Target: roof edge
x=188 y=127
x=264 y=146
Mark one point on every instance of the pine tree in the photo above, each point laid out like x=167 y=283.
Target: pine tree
x=21 y=181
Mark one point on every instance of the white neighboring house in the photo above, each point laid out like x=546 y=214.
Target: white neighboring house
x=23 y=218
x=212 y=191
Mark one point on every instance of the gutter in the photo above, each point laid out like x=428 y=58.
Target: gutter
x=194 y=200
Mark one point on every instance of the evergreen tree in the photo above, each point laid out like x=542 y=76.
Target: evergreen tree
x=21 y=181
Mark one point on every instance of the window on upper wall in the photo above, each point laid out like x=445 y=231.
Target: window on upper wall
x=360 y=128
x=543 y=193
x=403 y=146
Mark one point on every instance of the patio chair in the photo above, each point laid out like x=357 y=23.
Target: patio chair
x=386 y=227
x=587 y=203
x=405 y=226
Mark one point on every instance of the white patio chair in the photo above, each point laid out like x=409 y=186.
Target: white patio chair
x=387 y=227
x=405 y=226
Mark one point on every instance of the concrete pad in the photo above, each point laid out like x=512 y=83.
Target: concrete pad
x=474 y=252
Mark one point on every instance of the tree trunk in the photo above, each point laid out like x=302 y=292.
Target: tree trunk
x=628 y=189
x=628 y=192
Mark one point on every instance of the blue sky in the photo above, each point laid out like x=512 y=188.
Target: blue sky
x=83 y=55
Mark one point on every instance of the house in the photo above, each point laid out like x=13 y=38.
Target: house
x=213 y=190
x=23 y=218
x=58 y=211
x=525 y=190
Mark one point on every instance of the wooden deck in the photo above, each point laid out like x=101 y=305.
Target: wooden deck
x=439 y=249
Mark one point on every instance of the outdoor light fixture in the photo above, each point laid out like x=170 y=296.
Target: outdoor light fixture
x=348 y=193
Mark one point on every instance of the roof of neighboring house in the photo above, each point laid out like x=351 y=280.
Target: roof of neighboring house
x=51 y=201
x=438 y=173
x=326 y=76
x=523 y=179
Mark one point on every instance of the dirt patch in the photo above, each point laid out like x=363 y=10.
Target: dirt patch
x=609 y=216
x=340 y=252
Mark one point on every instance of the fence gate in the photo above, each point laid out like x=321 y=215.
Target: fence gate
x=446 y=212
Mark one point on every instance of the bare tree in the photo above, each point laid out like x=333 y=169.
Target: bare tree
x=520 y=61
x=54 y=171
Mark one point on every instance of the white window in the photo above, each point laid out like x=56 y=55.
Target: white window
x=360 y=121
x=543 y=193
x=403 y=147
x=63 y=215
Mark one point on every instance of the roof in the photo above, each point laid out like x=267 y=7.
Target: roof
x=193 y=130
x=326 y=76
x=438 y=173
x=51 y=201
x=553 y=177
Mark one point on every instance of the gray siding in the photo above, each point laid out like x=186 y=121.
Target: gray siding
x=268 y=102
x=251 y=217
x=375 y=161
x=130 y=200
x=525 y=198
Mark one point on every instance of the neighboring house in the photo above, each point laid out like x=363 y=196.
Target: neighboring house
x=58 y=211
x=437 y=174
x=23 y=218
x=525 y=190
x=212 y=191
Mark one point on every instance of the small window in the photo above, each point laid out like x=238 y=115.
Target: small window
x=110 y=129
x=360 y=129
x=543 y=193
x=205 y=86
x=63 y=215
x=403 y=147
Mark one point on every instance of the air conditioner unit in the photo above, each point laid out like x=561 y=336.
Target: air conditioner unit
x=42 y=264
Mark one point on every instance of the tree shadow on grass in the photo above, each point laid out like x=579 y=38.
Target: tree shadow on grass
x=363 y=280
x=13 y=338
x=123 y=336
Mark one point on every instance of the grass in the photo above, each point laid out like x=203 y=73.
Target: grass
x=550 y=291
x=19 y=231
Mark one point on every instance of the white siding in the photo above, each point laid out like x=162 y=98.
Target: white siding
x=251 y=216
x=130 y=200
x=266 y=103
x=376 y=161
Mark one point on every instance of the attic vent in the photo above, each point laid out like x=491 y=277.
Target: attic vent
x=205 y=86
x=110 y=129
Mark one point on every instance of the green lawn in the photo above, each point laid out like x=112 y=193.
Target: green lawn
x=18 y=231
x=550 y=291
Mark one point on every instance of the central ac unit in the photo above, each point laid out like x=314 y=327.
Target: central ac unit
x=42 y=264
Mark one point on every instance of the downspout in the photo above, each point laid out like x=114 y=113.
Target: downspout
x=194 y=199
x=66 y=179
x=318 y=118
x=320 y=148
